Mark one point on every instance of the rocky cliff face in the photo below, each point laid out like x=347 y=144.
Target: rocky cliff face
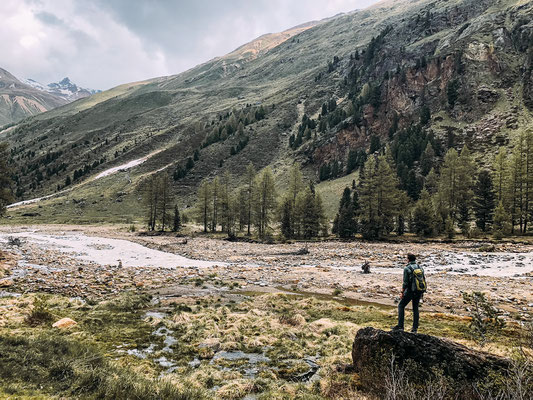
x=484 y=49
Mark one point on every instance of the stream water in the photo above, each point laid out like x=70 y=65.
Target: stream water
x=105 y=251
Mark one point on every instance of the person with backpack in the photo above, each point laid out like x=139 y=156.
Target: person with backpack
x=414 y=286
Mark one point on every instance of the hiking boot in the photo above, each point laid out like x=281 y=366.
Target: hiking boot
x=396 y=328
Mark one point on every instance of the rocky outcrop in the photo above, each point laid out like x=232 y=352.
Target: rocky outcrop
x=428 y=352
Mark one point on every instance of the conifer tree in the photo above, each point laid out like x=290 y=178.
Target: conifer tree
x=296 y=185
x=215 y=193
x=455 y=184
x=484 y=200
x=425 y=115
x=499 y=178
x=265 y=201
x=287 y=216
x=6 y=189
x=165 y=199
x=308 y=213
x=226 y=213
x=345 y=224
x=378 y=195
x=204 y=204
x=501 y=225
x=177 y=219
x=427 y=159
x=424 y=215
x=151 y=196
x=250 y=194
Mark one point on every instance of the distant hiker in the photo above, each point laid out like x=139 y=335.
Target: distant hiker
x=366 y=267
x=414 y=286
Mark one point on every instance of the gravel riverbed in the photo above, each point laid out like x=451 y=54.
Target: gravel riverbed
x=100 y=261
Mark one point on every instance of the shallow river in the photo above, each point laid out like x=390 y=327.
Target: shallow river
x=106 y=251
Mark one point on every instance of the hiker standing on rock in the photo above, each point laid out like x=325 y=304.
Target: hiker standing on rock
x=414 y=286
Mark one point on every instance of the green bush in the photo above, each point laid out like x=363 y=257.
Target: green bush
x=40 y=313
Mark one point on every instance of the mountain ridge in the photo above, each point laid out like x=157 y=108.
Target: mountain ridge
x=19 y=100
x=64 y=88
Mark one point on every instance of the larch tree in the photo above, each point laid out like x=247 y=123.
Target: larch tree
x=484 y=200
x=204 y=204
x=265 y=201
x=455 y=185
x=176 y=226
x=250 y=194
x=225 y=205
x=424 y=215
x=165 y=201
x=151 y=197
x=378 y=196
x=215 y=199
x=296 y=185
x=6 y=184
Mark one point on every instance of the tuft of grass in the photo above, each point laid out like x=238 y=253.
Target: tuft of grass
x=127 y=302
x=40 y=313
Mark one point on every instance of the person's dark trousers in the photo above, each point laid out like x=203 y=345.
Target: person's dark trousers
x=409 y=296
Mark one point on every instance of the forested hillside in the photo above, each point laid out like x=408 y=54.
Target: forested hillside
x=408 y=81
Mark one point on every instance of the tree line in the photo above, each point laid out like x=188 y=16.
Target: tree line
x=6 y=183
x=162 y=211
x=457 y=194
x=254 y=206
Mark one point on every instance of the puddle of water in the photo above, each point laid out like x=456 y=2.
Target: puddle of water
x=194 y=363
x=142 y=353
x=155 y=314
x=9 y=294
x=253 y=358
x=164 y=362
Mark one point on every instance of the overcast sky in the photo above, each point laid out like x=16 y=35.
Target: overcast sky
x=103 y=43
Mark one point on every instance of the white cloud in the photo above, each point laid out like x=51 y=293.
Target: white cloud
x=104 y=43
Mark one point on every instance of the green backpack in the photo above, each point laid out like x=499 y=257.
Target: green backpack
x=418 y=279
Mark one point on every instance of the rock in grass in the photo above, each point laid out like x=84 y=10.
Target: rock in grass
x=428 y=352
x=6 y=282
x=64 y=323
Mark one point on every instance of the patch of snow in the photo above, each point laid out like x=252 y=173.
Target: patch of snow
x=122 y=167
x=107 y=172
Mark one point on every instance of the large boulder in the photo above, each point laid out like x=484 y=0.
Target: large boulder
x=428 y=352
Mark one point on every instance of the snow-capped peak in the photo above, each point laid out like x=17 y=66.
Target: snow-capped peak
x=64 y=88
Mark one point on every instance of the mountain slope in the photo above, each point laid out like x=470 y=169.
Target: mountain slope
x=18 y=100
x=380 y=66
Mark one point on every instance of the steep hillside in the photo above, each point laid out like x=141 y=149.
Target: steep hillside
x=19 y=100
x=314 y=94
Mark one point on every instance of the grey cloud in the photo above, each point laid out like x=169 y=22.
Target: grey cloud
x=49 y=19
x=116 y=41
